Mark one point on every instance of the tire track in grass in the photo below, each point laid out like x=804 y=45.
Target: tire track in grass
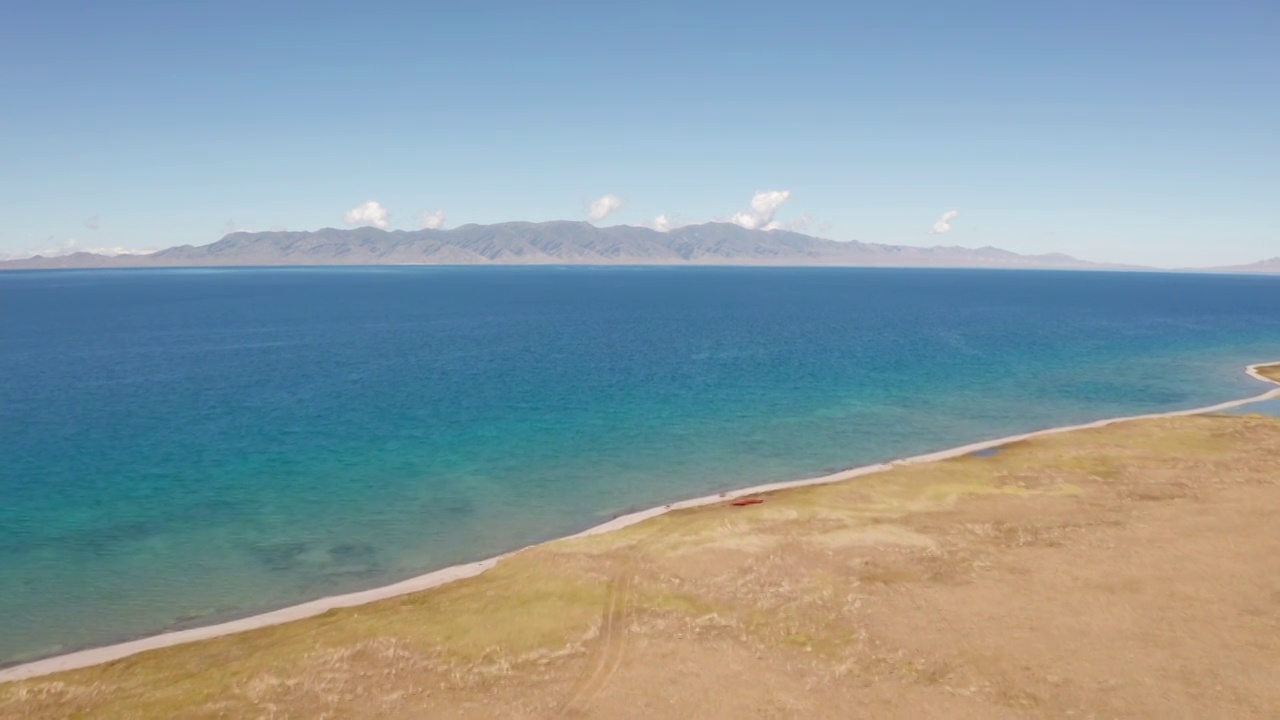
x=610 y=647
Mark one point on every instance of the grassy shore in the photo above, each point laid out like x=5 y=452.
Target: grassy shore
x=1120 y=571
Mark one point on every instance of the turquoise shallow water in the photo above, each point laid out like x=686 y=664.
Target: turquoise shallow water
x=184 y=446
x=1262 y=407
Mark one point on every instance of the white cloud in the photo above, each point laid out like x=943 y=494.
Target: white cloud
x=72 y=246
x=432 y=220
x=370 y=213
x=761 y=216
x=120 y=250
x=93 y=223
x=665 y=222
x=601 y=208
x=662 y=223
x=764 y=205
x=66 y=248
x=944 y=223
x=799 y=224
x=231 y=227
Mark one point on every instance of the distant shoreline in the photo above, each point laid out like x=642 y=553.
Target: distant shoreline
x=95 y=656
x=556 y=242
x=15 y=267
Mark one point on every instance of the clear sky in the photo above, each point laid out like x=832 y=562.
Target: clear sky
x=1144 y=132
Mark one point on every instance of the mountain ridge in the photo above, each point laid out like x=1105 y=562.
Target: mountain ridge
x=554 y=243
x=1270 y=265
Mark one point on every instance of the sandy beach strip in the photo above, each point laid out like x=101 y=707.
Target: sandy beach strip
x=95 y=656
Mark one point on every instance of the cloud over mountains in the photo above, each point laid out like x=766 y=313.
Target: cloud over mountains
x=601 y=208
x=764 y=205
x=432 y=220
x=944 y=223
x=370 y=213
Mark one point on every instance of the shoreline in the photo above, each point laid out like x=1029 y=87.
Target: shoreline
x=95 y=656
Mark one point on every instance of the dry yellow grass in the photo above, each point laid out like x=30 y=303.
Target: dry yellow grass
x=1129 y=571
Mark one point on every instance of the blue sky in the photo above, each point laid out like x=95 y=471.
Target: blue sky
x=1130 y=132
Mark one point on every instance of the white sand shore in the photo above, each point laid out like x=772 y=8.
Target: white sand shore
x=94 y=656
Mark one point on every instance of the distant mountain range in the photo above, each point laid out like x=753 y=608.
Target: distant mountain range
x=564 y=242
x=550 y=243
x=1262 y=266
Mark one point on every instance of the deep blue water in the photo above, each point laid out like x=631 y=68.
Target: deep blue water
x=181 y=446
